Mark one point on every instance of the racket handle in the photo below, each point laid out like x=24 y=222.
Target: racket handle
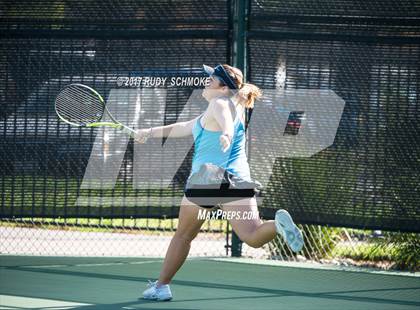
x=128 y=131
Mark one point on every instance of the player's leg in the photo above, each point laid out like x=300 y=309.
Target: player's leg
x=188 y=227
x=254 y=232
x=249 y=227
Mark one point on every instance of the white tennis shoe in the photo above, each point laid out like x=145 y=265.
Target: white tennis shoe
x=161 y=293
x=289 y=231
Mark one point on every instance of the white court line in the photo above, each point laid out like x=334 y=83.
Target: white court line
x=21 y=302
x=102 y=264
x=89 y=265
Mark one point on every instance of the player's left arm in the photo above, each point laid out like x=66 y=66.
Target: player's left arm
x=219 y=109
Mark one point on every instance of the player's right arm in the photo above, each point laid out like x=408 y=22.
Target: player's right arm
x=176 y=130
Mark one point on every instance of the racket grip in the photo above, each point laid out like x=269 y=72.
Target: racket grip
x=128 y=131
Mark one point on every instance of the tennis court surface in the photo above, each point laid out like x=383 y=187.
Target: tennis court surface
x=116 y=283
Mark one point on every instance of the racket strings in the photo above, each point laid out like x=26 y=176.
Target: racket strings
x=74 y=110
x=74 y=116
x=79 y=105
x=84 y=97
x=83 y=92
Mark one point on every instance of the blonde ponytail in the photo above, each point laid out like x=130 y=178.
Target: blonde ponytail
x=248 y=93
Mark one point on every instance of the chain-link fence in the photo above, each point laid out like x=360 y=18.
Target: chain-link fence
x=146 y=237
x=367 y=53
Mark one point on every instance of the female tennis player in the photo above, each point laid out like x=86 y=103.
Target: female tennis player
x=226 y=93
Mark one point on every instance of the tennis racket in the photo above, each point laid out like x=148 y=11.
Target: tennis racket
x=82 y=106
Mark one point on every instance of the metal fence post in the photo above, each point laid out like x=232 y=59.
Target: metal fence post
x=239 y=59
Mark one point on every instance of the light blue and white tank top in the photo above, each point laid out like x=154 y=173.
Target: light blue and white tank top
x=207 y=148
